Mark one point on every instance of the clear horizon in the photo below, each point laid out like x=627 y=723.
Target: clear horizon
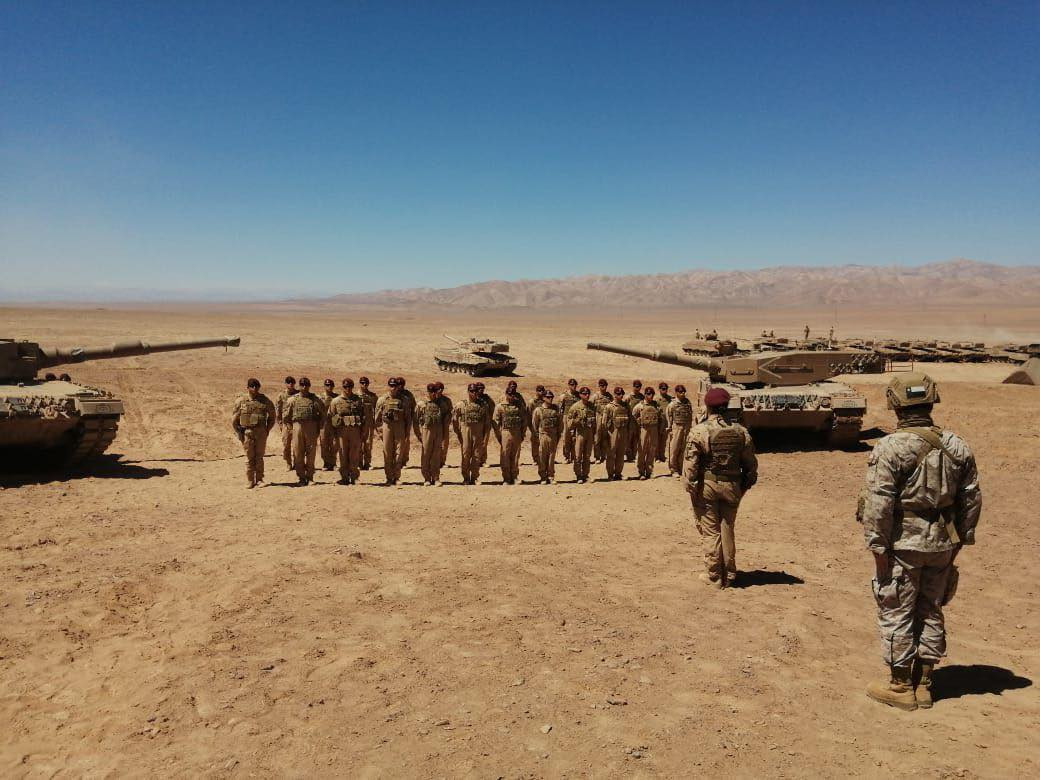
x=355 y=147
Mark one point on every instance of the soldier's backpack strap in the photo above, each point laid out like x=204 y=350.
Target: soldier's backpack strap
x=933 y=436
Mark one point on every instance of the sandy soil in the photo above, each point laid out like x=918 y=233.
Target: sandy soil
x=159 y=618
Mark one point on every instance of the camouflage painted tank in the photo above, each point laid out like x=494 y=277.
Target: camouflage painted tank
x=782 y=390
x=476 y=357
x=63 y=421
x=710 y=346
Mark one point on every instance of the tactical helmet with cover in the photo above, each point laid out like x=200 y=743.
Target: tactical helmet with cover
x=913 y=389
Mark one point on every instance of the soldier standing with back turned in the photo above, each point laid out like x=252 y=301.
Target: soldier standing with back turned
x=253 y=418
x=720 y=466
x=279 y=407
x=920 y=505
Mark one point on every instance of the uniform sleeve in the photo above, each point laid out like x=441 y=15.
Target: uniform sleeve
x=270 y=414
x=968 y=503
x=877 y=503
x=377 y=414
x=321 y=412
x=234 y=413
x=662 y=421
x=749 y=461
x=696 y=447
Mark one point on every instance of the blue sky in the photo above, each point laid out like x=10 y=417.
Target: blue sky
x=265 y=148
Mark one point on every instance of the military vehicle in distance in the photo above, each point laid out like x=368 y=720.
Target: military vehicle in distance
x=476 y=357
x=63 y=421
x=782 y=390
x=1029 y=373
x=710 y=346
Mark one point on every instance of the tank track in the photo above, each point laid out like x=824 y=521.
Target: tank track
x=844 y=432
x=93 y=435
x=457 y=368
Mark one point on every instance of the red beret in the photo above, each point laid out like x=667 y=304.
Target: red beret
x=717 y=396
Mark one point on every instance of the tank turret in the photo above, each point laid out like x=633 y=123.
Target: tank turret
x=62 y=421
x=476 y=357
x=781 y=390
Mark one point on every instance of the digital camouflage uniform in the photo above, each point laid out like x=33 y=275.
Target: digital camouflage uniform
x=614 y=422
x=393 y=417
x=350 y=422
x=472 y=422
x=719 y=466
x=253 y=417
x=547 y=421
x=279 y=409
x=567 y=400
x=306 y=412
x=510 y=423
x=679 y=416
x=581 y=418
x=327 y=440
x=649 y=418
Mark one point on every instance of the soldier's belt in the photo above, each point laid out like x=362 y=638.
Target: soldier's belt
x=933 y=516
x=721 y=477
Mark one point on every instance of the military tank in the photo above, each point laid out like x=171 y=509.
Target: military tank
x=61 y=421
x=710 y=346
x=780 y=391
x=476 y=357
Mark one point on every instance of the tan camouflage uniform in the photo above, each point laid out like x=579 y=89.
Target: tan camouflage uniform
x=547 y=420
x=279 y=408
x=253 y=418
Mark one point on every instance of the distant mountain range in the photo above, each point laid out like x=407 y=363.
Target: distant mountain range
x=949 y=282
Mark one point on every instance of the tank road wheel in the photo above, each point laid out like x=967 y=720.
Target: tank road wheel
x=92 y=437
x=844 y=432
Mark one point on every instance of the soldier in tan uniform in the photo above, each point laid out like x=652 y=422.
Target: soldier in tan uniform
x=582 y=419
x=600 y=400
x=409 y=402
x=679 y=418
x=720 y=466
x=615 y=419
x=428 y=422
x=306 y=413
x=663 y=399
x=350 y=421
x=446 y=407
x=547 y=421
x=649 y=417
x=568 y=398
x=471 y=420
x=534 y=403
x=393 y=417
x=279 y=407
x=489 y=404
x=634 y=399
x=510 y=423
x=253 y=418
x=370 y=400
x=327 y=439
x=920 y=506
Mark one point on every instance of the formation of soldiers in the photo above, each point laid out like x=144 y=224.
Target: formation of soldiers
x=919 y=507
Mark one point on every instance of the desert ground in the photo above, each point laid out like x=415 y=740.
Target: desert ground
x=158 y=618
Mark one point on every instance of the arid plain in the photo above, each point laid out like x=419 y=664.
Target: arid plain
x=160 y=618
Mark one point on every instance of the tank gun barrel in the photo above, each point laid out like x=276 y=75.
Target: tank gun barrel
x=663 y=356
x=58 y=356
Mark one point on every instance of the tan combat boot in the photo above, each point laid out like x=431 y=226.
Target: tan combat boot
x=897 y=692
x=924 y=685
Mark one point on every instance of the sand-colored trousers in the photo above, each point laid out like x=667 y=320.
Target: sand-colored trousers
x=677 y=447
x=287 y=443
x=395 y=442
x=617 y=443
x=304 y=448
x=601 y=448
x=432 y=449
x=472 y=444
x=254 y=443
x=662 y=446
x=582 y=452
x=649 y=437
x=547 y=444
x=445 y=442
x=535 y=444
x=568 y=444
x=348 y=445
x=910 y=615
x=366 y=448
x=632 y=450
x=716 y=515
x=509 y=456
x=328 y=446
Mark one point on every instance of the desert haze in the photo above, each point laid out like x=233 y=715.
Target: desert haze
x=957 y=281
x=159 y=619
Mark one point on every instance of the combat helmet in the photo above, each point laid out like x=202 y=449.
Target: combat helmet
x=913 y=389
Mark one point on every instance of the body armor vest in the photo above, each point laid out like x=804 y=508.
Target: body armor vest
x=568 y=401
x=304 y=408
x=583 y=416
x=393 y=409
x=649 y=415
x=621 y=416
x=512 y=418
x=347 y=411
x=725 y=445
x=252 y=414
x=549 y=420
x=682 y=414
x=430 y=414
x=472 y=412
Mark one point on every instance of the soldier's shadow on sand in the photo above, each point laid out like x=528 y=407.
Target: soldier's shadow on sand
x=751 y=579
x=20 y=472
x=954 y=681
x=795 y=441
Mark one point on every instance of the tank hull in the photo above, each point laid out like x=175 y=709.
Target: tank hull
x=475 y=364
